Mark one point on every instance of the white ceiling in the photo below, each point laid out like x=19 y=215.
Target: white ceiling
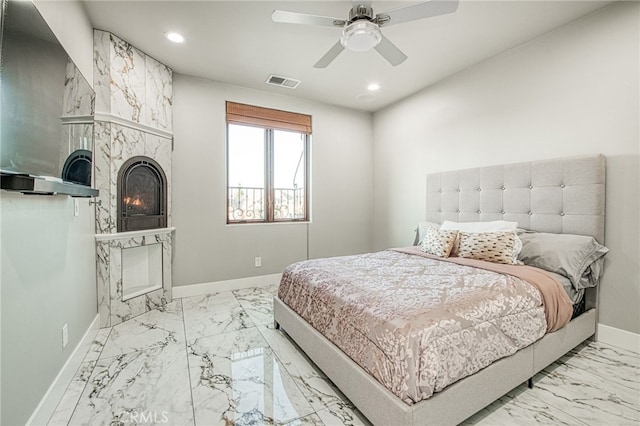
x=236 y=42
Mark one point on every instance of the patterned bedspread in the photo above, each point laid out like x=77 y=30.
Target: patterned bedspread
x=415 y=324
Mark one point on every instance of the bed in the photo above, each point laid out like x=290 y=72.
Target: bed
x=562 y=196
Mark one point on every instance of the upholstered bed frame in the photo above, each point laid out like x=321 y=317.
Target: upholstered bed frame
x=561 y=196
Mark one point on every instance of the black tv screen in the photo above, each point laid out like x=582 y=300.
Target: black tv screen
x=47 y=105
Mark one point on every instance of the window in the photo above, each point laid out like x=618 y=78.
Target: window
x=267 y=165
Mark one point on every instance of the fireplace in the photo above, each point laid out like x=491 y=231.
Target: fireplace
x=142 y=195
x=77 y=167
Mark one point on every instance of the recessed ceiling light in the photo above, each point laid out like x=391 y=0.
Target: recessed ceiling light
x=366 y=97
x=174 y=37
x=373 y=87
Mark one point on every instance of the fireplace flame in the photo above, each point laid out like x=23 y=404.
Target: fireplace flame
x=133 y=202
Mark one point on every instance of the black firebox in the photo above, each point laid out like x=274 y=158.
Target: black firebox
x=142 y=195
x=77 y=167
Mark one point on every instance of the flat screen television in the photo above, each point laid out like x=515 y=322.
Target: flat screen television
x=47 y=105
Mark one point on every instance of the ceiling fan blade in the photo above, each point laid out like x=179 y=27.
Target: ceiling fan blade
x=417 y=11
x=302 y=18
x=330 y=55
x=390 y=52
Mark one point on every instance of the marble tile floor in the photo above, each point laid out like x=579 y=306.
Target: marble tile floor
x=216 y=360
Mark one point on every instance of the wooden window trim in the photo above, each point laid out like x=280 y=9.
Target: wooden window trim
x=267 y=117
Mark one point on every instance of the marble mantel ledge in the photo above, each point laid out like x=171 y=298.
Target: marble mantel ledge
x=114 y=119
x=133 y=234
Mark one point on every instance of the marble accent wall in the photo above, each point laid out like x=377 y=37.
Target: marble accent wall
x=77 y=113
x=79 y=97
x=133 y=117
x=131 y=85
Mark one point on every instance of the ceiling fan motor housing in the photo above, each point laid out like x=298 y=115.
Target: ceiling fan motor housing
x=361 y=33
x=360 y=12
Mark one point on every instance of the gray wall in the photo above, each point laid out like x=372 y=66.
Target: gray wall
x=208 y=250
x=47 y=278
x=573 y=91
x=70 y=23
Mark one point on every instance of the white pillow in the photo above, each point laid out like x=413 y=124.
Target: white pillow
x=494 y=226
x=478 y=227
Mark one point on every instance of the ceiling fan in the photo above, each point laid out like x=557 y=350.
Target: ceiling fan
x=361 y=31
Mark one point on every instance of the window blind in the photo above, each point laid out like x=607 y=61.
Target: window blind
x=267 y=117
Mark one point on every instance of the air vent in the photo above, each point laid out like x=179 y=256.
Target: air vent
x=289 y=83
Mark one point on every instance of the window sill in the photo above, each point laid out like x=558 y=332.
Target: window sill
x=300 y=222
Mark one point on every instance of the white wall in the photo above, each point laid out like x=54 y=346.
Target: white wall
x=571 y=92
x=47 y=259
x=208 y=250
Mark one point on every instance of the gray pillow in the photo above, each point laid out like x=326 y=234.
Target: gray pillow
x=577 y=257
x=574 y=295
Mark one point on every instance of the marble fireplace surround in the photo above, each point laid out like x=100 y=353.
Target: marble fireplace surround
x=112 y=307
x=133 y=118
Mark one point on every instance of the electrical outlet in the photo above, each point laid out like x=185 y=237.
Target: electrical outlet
x=65 y=336
x=76 y=207
x=258 y=262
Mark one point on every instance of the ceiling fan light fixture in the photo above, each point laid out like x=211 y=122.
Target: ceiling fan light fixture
x=360 y=36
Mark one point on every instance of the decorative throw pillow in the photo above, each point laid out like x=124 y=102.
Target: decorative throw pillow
x=496 y=247
x=437 y=242
x=477 y=227
x=422 y=229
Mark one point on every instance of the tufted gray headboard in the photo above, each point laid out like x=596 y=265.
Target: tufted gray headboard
x=565 y=195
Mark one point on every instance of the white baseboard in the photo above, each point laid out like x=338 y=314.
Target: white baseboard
x=49 y=401
x=620 y=338
x=217 y=286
